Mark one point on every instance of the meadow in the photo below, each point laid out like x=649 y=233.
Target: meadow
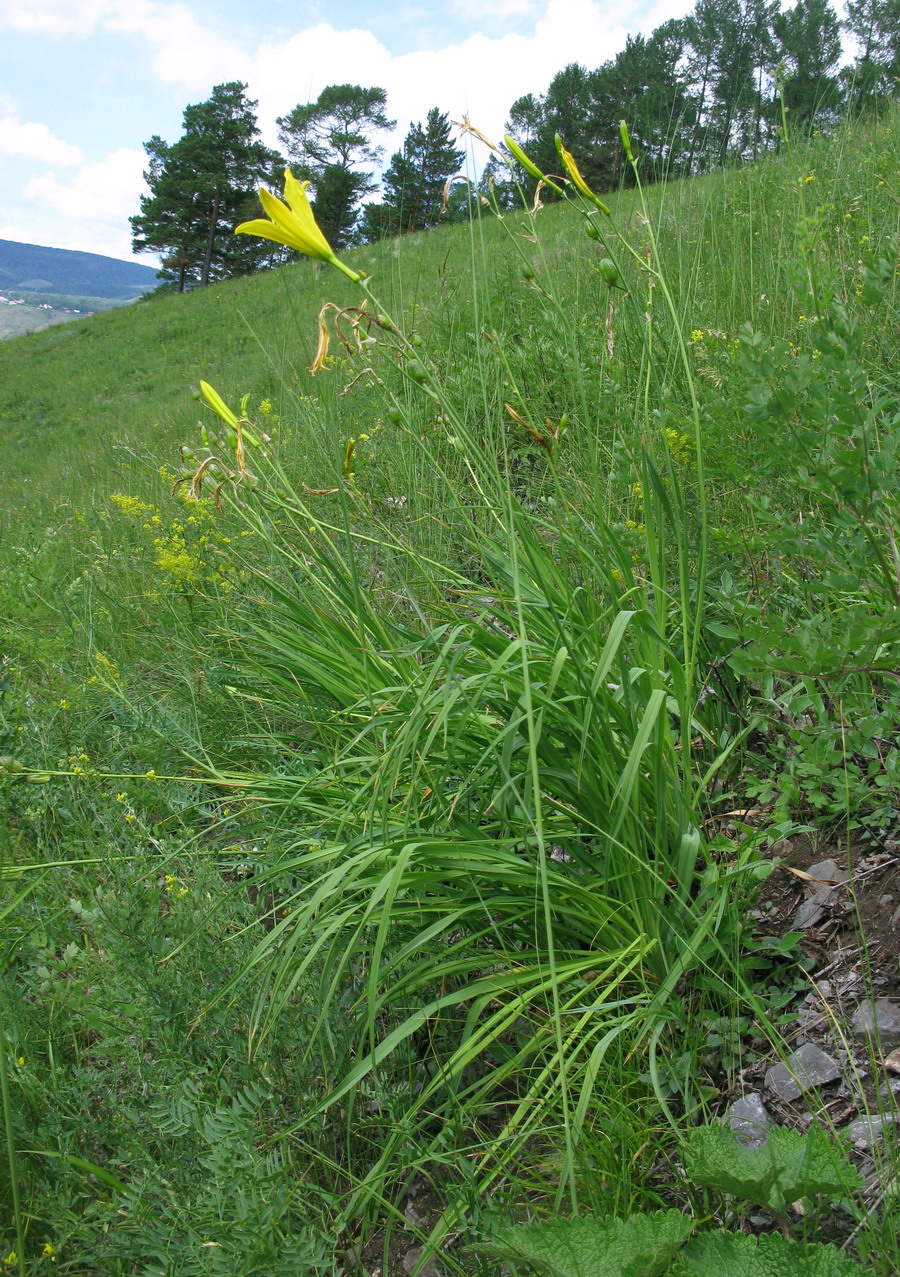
x=393 y=756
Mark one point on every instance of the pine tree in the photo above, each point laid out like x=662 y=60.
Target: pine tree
x=201 y=186
x=875 y=26
x=809 y=40
x=329 y=140
x=414 y=180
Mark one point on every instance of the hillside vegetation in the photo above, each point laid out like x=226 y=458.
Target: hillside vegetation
x=66 y=271
x=392 y=764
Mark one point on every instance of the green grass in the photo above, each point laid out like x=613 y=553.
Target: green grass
x=365 y=809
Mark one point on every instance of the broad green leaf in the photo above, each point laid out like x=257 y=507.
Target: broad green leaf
x=723 y=1254
x=787 y=1167
x=642 y=1246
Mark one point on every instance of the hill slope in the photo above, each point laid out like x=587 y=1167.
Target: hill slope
x=35 y=269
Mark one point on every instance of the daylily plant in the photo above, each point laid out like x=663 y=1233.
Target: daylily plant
x=293 y=224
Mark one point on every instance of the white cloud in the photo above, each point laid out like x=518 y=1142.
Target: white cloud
x=96 y=204
x=25 y=141
x=53 y=17
x=185 y=53
x=480 y=76
x=481 y=10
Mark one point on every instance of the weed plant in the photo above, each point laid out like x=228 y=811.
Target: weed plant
x=403 y=763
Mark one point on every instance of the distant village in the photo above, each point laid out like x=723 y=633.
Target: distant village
x=20 y=301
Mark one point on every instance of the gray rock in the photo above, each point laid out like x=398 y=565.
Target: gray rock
x=819 y=894
x=803 y=1070
x=749 y=1120
x=808 y=915
x=879 y=1017
x=868 y=1130
x=889 y=1088
x=412 y=1257
x=829 y=875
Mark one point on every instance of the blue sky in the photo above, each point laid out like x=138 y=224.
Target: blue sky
x=84 y=83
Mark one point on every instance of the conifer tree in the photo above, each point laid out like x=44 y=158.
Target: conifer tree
x=329 y=140
x=809 y=45
x=201 y=186
x=414 y=180
x=875 y=26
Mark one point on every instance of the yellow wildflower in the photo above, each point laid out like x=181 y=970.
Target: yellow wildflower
x=293 y=224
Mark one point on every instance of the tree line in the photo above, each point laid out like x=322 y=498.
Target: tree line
x=699 y=92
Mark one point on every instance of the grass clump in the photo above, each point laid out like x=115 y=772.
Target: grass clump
x=368 y=813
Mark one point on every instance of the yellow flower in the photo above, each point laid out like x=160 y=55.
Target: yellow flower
x=577 y=180
x=48 y=1251
x=292 y=223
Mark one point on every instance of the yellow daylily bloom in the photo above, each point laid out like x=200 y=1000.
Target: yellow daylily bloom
x=292 y=223
x=577 y=180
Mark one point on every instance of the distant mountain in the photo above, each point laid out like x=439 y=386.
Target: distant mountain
x=58 y=270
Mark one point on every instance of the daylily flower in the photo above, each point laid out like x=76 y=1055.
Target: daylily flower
x=293 y=224
x=577 y=180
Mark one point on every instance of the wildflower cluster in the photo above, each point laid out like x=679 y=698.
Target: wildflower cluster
x=183 y=549
x=680 y=446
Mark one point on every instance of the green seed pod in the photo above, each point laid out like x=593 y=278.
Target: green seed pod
x=610 y=272
x=527 y=272
x=417 y=342
x=591 y=230
x=417 y=371
x=395 y=416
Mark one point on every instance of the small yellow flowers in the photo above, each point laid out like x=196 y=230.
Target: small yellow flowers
x=130 y=505
x=697 y=335
x=151 y=774
x=293 y=224
x=120 y=798
x=577 y=180
x=64 y=704
x=11 y=1259
x=48 y=1252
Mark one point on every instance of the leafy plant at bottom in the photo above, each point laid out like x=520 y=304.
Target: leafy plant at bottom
x=787 y=1167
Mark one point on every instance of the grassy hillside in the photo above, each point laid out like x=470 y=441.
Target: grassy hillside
x=61 y=270
x=379 y=859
